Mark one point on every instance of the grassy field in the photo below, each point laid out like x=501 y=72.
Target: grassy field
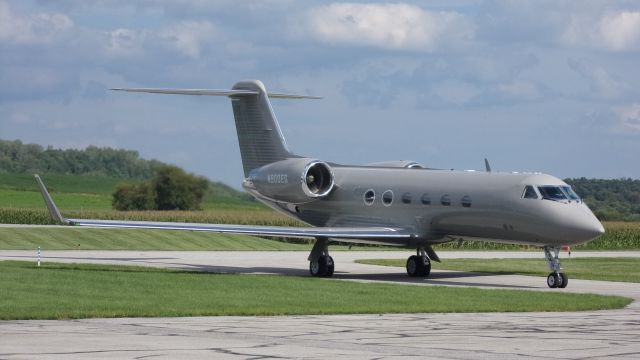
x=609 y=269
x=95 y=193
x=72 y=238
x=61 y=291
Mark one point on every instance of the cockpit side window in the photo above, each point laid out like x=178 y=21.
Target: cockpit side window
x=529 y=193
x=570 y=193
x=552 y=192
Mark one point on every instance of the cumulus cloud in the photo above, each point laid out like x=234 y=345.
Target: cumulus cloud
x=188 y=38
x=38 y=28
x=629 y=118
x=123 y=43
x=615 y=31
x=389 y=26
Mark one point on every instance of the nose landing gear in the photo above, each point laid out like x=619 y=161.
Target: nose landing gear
x=556 y=279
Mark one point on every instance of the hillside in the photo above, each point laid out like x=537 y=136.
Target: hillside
x=85 y=177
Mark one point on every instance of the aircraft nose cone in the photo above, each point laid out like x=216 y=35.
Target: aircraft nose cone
x=589 y=228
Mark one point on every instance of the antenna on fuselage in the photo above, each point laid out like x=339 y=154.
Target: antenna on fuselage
x=486 y=165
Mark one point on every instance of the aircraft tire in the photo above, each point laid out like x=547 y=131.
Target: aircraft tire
x=426 y=267
x=553 y=280
x=564 y=280
x=330 y=266
x=318 y=268
x=414 y=266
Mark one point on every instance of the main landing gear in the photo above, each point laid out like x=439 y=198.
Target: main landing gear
x=320 y=262
x=556 y=279
x=420 y=264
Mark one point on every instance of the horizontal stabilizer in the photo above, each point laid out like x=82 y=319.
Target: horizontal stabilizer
x=214 y=92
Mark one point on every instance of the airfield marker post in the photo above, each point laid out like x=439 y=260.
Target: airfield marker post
x=38 y=256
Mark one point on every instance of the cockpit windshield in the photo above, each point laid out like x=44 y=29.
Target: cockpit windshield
x=551 y=192
x=570 y=193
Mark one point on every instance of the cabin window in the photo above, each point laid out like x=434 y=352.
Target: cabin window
x=425 y=199
x=406 y=198
x=445 y=200
x=550 y=192
x=529 y=193
x=466 y=201
x=369 y=196
x=387 y=197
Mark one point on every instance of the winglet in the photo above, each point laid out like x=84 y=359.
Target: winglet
x=486 y=165
x=51 y=206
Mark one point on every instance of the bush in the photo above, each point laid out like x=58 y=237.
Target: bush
x=134 y=197
x=171 y=189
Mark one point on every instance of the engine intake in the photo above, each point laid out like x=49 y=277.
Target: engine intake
x=295 y=180
x=317 y=179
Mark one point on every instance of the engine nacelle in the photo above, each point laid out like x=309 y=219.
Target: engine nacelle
x=295 y=180
x=398 y=164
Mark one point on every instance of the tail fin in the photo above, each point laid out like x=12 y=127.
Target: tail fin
x=261 y=141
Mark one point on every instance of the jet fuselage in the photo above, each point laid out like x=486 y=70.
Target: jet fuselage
x=445 y=205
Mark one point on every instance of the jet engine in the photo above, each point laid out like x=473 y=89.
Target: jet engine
x=296 y=180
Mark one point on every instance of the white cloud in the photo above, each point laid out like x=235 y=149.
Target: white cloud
x=629 y=118
x=390 y=26
x=31 y=29
x=621 y=31
x=124 y=43
x=188 y=38
x=616 y=31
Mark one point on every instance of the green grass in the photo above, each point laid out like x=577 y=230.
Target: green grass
x=65 y=201
x=73 y=238
x=608 y=269
x=76 y=192
x=62 y=291
x=79 y=184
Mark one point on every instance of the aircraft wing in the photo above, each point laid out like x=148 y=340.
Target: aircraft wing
x=286 y=231
x=364 y=233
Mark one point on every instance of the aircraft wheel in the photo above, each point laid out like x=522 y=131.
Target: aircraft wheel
x=564 y=280
x=414 y=265
x=426 y=267
x=318 y=268
x=553 y=280
x=330 y=266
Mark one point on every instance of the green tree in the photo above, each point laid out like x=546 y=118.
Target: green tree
x=171 y=189
x=175 y=189
x=134 y=197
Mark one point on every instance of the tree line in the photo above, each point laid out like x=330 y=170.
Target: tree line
x=614 y=199
x=17 y=157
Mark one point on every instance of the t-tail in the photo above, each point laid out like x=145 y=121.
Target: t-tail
x=259 y=135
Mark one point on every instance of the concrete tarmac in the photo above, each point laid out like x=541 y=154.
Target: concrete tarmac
x=575 y=335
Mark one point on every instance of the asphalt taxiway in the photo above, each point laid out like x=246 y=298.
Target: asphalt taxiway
x=576 y=335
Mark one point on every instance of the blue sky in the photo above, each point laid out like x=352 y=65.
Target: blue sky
x=548 y=86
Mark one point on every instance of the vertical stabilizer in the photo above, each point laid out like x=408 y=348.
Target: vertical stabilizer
x=261 y=141
x=260 y=138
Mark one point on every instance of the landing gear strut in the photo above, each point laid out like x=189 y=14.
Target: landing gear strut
x=419 y=265
x=556 y=279
x=320 y=262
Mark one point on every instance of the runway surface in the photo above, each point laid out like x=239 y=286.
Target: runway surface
x=448 y=336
